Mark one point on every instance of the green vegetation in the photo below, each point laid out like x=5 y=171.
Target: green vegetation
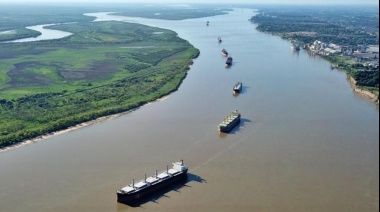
x=103 y=68
x=344 y=25
x=18 y=34
x=365 y=78
x=349 y=26
x=15 y=17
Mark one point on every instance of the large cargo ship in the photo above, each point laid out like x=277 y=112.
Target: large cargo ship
x=143 y=188
x=230 y=122
x=224 y=52
x=238 y=87
x=229 y=61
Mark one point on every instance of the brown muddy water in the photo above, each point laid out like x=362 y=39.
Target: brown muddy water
x=306 y=141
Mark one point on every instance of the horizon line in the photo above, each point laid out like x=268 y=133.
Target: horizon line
x=75 y=2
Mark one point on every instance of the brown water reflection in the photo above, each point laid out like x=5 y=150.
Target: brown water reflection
x=305 y=143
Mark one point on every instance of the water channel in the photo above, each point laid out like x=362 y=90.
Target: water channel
x=306 y=141
x=46 y=34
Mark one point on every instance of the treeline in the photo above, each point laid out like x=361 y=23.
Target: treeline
x=363 y=75
x=18 y=34
x=18 y=16
x=19 y=133
x=367 y=78
x=342 y=26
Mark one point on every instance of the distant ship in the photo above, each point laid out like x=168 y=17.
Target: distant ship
x=148 y=186
x=219 y=39
x=224 y=52
x=238 y=87
x=207 y=23
x=230 y=122
x=295 y=45
x=229 y=61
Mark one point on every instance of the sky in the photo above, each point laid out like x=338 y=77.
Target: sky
x=335 y=2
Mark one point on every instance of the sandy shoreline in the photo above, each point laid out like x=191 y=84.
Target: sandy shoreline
x=371 y=96
x=76 y=127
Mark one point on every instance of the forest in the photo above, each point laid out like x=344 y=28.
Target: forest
x=344 y=25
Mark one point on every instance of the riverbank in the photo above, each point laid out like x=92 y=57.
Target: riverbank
x=114 y=83
x=91 y=122
x=330 y=28
x=367 y=94
x=76 y=127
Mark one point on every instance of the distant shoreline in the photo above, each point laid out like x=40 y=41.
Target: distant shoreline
x=304 y=30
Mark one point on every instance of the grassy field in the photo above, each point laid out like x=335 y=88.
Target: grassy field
x=15 y=17
x=103 y=68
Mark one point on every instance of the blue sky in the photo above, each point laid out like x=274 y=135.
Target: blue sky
x=330 y=2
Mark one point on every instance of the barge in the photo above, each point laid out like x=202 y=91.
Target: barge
x=229 y=62
x=238 y=87
x=224 y=52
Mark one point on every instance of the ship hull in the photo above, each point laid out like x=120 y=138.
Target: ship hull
x=295 y=47
x=135 y=197
x=224 y=53
x=237 y=88
x=230 y=126
x=229 y=62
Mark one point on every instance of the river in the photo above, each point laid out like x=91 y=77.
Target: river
x=306 y=141
x=46 y=34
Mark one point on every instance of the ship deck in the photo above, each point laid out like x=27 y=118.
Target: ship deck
x=228 y=120
x=141 y=184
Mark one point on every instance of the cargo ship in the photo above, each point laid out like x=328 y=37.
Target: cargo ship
x=144 y=188
x=229 y=61
x=238 y=87
x=230 y=122
x=295 y=46
x=224 y=52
